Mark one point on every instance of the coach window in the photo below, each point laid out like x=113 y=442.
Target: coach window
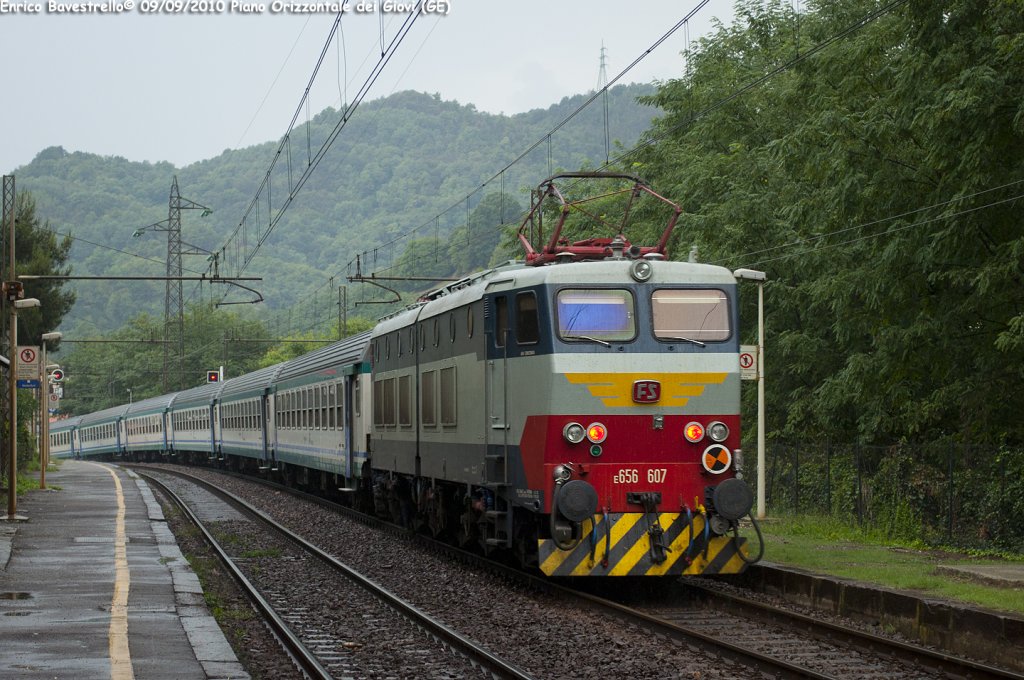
x=451 y=326
x=387 y=347
x=315 y=406
x=356 y=403
x=695 y=314
x=398 y=343
x=332 y=406
x=596 y=315
x=339 y=404
x=412 y=339
x=326 y=408
x=423 y=336
x=527 y=323
x=469 y=322
x=437 y=332
x=500 y=320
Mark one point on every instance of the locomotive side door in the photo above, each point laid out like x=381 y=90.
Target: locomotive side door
x=496 y=390
x=497 y=371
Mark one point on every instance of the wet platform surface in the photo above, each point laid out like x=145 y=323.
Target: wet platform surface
x=93 y=589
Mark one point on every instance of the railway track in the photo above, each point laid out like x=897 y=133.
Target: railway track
x=741 y=638
x=332 y=620
x=783 y=643
x=855 y=641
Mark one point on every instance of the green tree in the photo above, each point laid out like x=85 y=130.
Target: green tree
x=100 y=374
x=39 y=252
x=875 y=181
x=471 y=246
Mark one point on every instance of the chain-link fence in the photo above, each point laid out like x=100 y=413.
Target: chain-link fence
x=940 y=494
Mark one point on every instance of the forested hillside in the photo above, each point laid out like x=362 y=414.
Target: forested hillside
x=398 y=162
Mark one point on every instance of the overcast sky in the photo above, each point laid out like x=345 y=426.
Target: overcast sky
x=183 y=88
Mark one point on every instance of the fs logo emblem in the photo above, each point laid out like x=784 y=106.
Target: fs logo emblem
x=646 y=391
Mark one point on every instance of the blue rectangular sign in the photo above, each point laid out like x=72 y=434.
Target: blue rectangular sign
x=31 y=384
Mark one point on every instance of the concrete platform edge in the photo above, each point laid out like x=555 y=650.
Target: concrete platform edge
x=211 y=648
x=992 y=637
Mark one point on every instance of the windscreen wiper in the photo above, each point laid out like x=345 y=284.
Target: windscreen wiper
x=696 y=342
x=587 y=337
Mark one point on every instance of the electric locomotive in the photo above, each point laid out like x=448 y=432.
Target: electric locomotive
x=580 y=408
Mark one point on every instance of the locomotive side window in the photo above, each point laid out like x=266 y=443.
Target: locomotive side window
x=448 y=389
x=691 y=314
x=429 y=411
x=500 y=320
x=527 y=323
x=404 y=416
x=389 y=402
x=378 y=403
x=596 y=315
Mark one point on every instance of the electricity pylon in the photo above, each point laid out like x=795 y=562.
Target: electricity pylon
x=174 y=312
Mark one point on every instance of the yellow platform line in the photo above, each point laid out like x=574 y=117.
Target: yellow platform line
x=120 y=655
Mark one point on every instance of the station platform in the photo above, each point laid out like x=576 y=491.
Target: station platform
x=93 y=585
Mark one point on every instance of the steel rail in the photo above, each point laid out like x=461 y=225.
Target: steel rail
x=775 y=667
x=494 y=664
x=305 y=659
x=869 y=642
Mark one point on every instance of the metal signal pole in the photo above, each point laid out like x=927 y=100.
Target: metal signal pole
x=6 y=349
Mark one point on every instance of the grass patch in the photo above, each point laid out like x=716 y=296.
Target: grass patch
x=830 y=546
x=28 y=479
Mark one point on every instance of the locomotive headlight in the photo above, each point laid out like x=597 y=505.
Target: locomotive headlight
x=641 y=270
x=718 y=431
x=597 y=433
x=573 y=433
x=694 y=432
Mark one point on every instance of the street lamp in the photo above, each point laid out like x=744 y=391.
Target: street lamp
x=12 y=443
x=758 y=277
x=44 y=407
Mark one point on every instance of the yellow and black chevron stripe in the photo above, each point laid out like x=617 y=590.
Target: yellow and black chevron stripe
x=631 y=553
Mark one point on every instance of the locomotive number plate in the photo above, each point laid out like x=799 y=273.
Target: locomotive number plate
x=633 y=476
